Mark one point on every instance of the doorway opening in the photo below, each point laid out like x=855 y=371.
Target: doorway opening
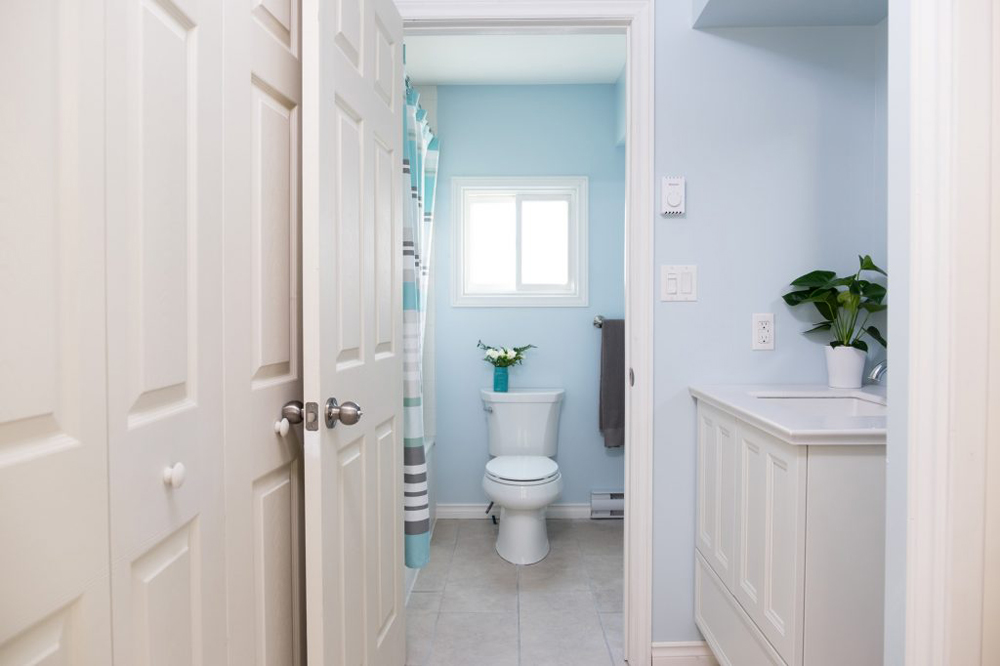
x=623 y=611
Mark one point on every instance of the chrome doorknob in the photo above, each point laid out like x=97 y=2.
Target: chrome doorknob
x=291 y=413
x=348 y=413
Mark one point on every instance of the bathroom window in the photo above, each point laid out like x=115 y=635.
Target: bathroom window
x=519 y=242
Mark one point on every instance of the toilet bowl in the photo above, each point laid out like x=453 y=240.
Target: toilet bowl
x=523 y=486
x=522 y=478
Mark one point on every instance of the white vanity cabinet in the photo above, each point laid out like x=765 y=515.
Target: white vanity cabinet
x=789 y=539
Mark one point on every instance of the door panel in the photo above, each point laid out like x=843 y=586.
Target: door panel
x=164 y=300
x=716 y=489
x=265 y=598
x=54 y=580
x=352 y=288
x=771 y=537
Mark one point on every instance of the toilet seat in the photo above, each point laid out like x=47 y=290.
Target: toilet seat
x=522 y=470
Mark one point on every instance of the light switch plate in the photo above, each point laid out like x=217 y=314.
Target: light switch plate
x=679 y=283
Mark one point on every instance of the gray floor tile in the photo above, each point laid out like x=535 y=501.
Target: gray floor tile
x=419 y=637
x=445 y=532
x=608 y=595
x=483 y=639
x=433 y=577
x=471 y=607
x=485 y=594
x=568 y=636
x=612 y=623
x=424 y=601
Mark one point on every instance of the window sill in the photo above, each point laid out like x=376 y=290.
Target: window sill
x=519 y=301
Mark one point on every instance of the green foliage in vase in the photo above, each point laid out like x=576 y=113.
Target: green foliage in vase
x=504 y=357
x=845 y=303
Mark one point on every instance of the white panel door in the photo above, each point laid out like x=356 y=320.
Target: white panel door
x=716 y=489
x=165 y=330
x=54 y=588
x=770 y=536
x=352 y=331
x=264 y=558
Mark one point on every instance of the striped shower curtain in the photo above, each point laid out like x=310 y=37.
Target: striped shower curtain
x=420 y=158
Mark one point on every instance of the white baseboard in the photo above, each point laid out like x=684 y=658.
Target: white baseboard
x=472 y=511
x=687 y=653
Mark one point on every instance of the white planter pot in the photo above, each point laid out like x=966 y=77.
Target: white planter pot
x=845 y=366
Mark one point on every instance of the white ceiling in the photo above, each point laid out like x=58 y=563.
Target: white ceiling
x=514 y=59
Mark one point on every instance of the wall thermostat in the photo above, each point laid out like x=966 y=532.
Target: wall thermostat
x=672 y=196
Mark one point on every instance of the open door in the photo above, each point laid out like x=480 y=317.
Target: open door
x=352 y=123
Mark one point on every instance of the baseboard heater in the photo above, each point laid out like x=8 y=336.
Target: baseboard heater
x=607 y=504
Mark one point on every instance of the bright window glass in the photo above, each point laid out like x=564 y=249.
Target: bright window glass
x=492 y=249
x=519 y=242
x=545 y=242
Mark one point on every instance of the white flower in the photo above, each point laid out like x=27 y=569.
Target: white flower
x=493 y=353
x=509 y=354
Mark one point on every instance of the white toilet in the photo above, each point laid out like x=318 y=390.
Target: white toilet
x=522 y=478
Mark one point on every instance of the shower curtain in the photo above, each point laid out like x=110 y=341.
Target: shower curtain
x=420 y=159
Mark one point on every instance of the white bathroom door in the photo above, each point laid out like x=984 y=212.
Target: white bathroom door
x=352 y=330
x=55 y=605
x=264 y=572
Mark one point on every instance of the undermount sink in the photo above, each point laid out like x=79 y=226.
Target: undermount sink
x=833 y=405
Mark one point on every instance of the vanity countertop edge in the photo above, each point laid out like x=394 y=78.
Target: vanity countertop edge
x=740 y=401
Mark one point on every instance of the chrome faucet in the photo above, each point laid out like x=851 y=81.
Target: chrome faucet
x=878 y=371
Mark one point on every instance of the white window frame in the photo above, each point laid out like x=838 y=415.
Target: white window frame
x=573 y=188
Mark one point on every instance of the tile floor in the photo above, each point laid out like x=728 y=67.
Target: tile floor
x=470 y=607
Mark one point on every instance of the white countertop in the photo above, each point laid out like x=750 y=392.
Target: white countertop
x=797 y=424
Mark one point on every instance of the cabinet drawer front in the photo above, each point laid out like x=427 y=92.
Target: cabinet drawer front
x=716 y=489
x=734 y=638
x=770 y=537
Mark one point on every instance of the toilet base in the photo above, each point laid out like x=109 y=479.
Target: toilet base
x=523 y=537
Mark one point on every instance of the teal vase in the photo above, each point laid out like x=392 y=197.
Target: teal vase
x=500 y=376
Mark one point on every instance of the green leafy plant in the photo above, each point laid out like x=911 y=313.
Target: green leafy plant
x=504 y=357
x=845 y=303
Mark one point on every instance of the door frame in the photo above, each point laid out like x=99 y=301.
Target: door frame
x=635 y=18
x=948 y=201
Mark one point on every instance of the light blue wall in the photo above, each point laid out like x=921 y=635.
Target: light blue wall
x=621 y=107
x=566 y=130
x=778 y=132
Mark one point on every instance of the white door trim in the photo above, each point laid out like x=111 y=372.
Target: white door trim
x=952 y=201
x=636 y=18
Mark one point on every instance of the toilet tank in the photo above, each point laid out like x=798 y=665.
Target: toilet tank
x=523 y=422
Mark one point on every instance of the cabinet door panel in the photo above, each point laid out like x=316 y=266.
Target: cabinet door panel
x=770 y=536
x=716 y=489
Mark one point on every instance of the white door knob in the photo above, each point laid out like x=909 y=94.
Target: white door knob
x=281 y=426
x=173 y=477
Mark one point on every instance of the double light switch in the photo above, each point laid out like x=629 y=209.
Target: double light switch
x=679 y=283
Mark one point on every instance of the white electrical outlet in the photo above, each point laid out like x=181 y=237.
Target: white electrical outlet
x=763 y=331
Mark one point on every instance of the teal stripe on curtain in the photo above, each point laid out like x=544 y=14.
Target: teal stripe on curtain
x=420 y=160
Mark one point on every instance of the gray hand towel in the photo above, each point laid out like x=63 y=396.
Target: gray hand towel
x=611 y=411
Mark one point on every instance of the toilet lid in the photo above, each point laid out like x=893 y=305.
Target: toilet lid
x=522 y=468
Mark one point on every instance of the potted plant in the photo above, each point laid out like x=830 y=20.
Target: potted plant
x=846 y=304
x=501 y=358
